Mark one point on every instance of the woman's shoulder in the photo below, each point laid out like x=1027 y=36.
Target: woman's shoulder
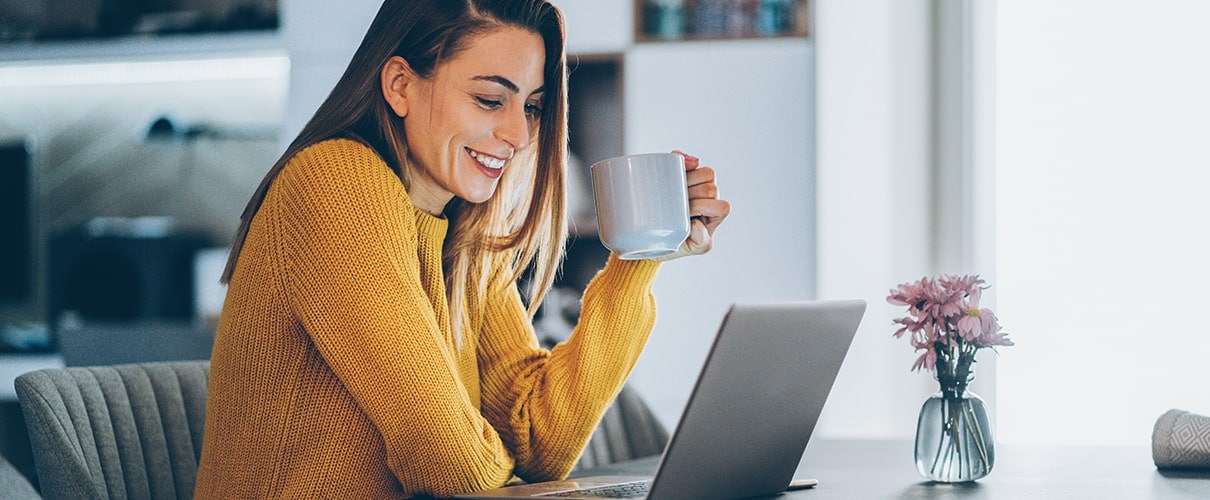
x=346 y=161
x=338 y=152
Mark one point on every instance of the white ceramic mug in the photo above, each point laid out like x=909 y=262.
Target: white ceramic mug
x=642 y=204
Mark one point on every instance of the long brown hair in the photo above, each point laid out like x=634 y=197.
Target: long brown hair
x=523 y=224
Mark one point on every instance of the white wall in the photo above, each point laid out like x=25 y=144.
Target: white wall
x=874 y=186
x=1102 y=170
x=597 y=26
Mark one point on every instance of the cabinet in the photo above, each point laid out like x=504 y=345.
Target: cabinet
x=44 y=30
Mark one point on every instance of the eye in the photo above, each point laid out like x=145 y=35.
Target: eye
x=533 y=110
x=490 y=104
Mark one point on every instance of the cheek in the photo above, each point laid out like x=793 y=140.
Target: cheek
x=427 y=139
x=418 y=140
x=467 y=123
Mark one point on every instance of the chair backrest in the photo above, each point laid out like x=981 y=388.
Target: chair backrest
x=118 y=431
x=628 y=430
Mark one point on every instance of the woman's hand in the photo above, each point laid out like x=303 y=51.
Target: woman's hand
x=706 y=210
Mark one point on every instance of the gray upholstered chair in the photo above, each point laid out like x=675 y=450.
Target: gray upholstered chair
x=135 y=430
x=119 y=431
x=13 y=484
x=628 y=430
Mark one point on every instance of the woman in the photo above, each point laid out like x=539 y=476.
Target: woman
x=374 y=342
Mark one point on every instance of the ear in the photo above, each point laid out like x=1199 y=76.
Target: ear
x=396 y=75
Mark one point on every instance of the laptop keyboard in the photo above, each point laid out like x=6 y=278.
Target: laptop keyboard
x=621 y=490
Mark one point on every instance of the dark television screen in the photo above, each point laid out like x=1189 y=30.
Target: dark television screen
x=99 y=19
x=15 y=262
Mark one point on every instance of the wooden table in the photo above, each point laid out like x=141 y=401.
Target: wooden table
x=859 y=469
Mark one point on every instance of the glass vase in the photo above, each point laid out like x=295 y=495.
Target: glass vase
x=954 y=440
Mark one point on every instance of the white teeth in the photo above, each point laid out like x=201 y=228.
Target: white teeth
x=487 y=161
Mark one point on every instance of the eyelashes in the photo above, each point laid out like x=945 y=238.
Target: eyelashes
x=533 y=110
x=489 y=104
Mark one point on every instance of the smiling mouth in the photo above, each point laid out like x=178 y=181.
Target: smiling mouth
x=486 y=160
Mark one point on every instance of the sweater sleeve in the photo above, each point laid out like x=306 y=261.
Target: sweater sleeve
x=351 y=275
x=546 y=404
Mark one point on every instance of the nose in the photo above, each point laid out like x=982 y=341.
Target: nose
x=514 y=128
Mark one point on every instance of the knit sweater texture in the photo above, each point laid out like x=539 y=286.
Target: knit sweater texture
x=335 y=373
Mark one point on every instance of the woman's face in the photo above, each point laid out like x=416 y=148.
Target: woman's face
x=468 y=119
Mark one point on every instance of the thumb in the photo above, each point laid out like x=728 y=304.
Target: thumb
x=699 y=240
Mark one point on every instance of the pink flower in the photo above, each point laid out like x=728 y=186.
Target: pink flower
x=908 y=326
x=928 y=299
x=945 y=320
x=928 y=360
x=968 y=285
x=910 y=294
x=993 y=338
x=976 y=323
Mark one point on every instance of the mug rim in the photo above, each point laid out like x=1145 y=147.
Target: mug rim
x=636 y=155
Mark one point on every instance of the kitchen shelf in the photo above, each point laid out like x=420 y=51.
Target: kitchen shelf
x=191 y=45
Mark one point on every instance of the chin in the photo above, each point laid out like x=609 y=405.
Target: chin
x=478 y=196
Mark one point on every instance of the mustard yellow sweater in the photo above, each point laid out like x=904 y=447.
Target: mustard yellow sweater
x=335 y=373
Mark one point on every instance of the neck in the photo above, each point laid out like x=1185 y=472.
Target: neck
x=428 y=198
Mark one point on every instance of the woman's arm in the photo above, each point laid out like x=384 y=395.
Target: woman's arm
x=546 y=404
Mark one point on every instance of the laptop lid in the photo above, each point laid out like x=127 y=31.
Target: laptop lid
x=757 y=399
x=753 y=408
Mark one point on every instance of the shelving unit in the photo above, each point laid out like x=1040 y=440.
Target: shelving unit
x=689 y=20
x=141 y=48
x=595 y=90
x=595 y=128
x=44 y=30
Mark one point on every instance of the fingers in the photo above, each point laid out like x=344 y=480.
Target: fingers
x=706 y=210
x=691 y=162
x=699 y=175
x=709 y=190
x=704 y=203
x=710 y=211
x=703 y=197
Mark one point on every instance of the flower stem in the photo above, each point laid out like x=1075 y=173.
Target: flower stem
x=975 y=429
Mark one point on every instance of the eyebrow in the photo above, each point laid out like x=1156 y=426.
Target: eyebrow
x=506 y=83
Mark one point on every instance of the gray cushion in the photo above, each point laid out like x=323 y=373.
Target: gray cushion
x=1181 y=440
x=121 y=431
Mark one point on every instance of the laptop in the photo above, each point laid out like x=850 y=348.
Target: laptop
x=751 y=412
